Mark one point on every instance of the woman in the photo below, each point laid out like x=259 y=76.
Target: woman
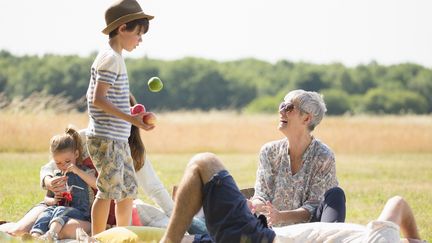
x=296 y=177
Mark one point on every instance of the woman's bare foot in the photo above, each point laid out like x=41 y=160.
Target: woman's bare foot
x=15 y=230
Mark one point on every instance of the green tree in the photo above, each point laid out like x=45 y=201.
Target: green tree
x=394 y=102
x=337 y=101
x=422 y=84
x=308 y=78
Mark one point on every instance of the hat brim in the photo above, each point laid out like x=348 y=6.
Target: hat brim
x=125 y=19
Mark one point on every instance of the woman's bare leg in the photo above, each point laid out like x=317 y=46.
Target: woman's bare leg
x=69 y=229
x=398 y=211
x=26 y=222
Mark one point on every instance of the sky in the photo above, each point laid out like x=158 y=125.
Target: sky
x=350 y=32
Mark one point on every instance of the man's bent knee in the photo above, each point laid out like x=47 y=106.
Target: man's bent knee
x=205 y=160
x=207 y=164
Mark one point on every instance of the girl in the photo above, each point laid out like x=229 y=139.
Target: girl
x=75 y=199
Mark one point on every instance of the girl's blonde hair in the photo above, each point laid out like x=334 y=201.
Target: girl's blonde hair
x=69 y=141
x=136 y=144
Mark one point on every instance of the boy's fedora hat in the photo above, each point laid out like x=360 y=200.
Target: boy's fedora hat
x=122 y=12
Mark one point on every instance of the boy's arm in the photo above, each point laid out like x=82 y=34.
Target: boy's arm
x=100 y=100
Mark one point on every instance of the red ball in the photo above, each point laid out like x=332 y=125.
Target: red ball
x=138 y=108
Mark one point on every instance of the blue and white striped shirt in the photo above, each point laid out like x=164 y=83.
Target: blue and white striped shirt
x=109 y=67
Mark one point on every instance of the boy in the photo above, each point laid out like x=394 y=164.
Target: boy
x=109 y=116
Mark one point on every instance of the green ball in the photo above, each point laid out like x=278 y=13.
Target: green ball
x=155 y=84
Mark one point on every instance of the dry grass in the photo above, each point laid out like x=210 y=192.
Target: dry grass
x=377 y=134
x=230 y=132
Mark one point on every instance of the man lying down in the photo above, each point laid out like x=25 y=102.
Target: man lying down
x=229 y=218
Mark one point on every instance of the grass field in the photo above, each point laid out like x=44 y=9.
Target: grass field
x=377 y=157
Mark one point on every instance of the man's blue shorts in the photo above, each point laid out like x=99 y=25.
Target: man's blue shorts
x=228 y=218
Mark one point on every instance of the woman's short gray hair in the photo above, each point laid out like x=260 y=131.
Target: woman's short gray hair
x=308 y=102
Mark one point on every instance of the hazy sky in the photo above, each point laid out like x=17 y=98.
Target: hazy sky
x=317 y=31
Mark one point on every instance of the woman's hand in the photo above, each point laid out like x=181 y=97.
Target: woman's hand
x=258 y=204
x=56 y=183
x=272 y=214
x=250 y=205
x=51 y=201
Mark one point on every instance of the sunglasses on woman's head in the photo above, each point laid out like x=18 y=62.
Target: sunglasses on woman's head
x=286 y=107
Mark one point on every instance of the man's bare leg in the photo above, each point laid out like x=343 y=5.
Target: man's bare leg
x=188 y=201
x=398 y=211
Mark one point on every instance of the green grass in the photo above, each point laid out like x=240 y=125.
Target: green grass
x=368 y=180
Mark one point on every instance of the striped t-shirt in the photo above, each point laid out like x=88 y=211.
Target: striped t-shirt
x=109 y=67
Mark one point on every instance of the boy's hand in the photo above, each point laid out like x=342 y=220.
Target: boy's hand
x=137 y=120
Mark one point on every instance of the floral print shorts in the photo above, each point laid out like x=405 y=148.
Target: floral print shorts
x=113 y=161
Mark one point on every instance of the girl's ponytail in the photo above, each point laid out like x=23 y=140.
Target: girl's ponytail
x=77 y=141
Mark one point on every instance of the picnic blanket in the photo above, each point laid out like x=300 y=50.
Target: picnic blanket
x=128 y=234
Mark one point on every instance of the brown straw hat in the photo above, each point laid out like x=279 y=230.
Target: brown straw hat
x=122 y=12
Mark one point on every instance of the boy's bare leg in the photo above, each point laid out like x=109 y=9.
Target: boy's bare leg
x=398 y=211
x=123 y=212
x=188 y=201
x=99 y=215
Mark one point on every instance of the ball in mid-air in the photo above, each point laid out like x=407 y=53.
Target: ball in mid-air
x=155 y=84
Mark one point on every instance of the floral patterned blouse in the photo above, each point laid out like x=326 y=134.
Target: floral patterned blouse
x=305 y=189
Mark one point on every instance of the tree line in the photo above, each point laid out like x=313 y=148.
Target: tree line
x=246 y=85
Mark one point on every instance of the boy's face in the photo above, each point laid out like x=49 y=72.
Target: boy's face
x=131 y=39
x=64 y=159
